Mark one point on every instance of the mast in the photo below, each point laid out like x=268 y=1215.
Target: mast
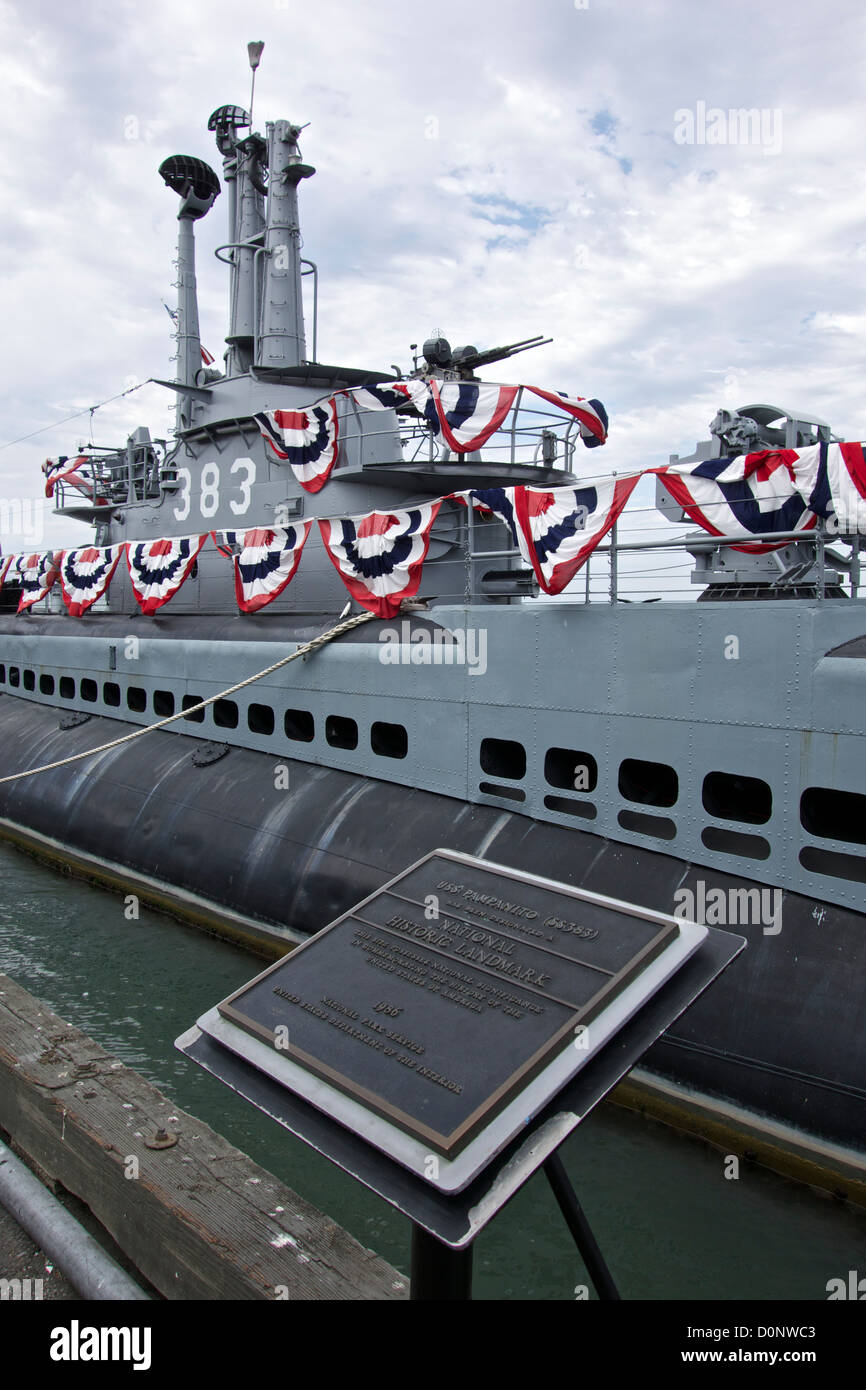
x=281 y=336
x=266 y=327
x=198 y=187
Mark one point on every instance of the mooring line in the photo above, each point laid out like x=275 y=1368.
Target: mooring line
x=303 y=650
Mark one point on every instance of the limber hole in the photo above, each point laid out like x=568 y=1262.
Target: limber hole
x=187 y=702
x=509 y=793
x=723 y=841
x=299 y=725
x=389 y=740
x=225 y=714
x=566 y=807
x=260 y=719
x=728 y=796
x=649 y=784
x=659 y=827
x=341 y=732
x=834 y=815
x=163 y=703
x=501 y=757
x=571 y=769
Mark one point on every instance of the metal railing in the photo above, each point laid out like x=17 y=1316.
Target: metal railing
x=530 y=435
x=619 y=576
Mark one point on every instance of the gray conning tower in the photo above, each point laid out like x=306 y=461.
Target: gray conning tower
x=795 y=570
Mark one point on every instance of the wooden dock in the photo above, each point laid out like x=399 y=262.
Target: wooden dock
x=195 y=1216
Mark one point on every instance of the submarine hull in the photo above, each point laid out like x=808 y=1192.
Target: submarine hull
x=286 y=846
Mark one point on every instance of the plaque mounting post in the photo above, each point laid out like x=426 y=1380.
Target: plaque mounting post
x=437 y=1272
x=577 y=1223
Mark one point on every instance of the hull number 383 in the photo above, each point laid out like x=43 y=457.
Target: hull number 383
x=239 y=485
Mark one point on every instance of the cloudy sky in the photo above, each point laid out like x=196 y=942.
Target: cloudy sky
x=488 y=168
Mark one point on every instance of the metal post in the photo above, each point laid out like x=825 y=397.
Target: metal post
x=314 y=271
x=613 y=575
x=438 y=1272
x=577 y=1223
x=822 y=573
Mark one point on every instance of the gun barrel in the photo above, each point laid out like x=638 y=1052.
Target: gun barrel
x=480 y=359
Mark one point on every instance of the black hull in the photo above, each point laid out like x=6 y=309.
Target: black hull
x=781 y=1033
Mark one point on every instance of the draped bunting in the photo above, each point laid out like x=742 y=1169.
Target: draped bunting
x=4 y=568
x=85 y=575
x=591 y=414
x=379 y=557
x=37 y=574
x=754 y=492
x=496 y=501
x=560 y=527
x=468 y=413
x=158 y=568
x=832 y=478
x=464 y=413
x=306 y=439
x=264 y=561
x=64 y=470
x=390 y=395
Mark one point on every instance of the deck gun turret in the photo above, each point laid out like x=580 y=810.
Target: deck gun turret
x=460 y=363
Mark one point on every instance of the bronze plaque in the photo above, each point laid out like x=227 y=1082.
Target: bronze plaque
x=436 y=1000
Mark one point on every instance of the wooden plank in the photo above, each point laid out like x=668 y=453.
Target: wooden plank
x=201 y=1220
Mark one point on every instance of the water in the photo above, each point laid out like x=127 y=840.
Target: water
x=668 y=1221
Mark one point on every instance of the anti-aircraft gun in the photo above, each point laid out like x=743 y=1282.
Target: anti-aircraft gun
x=793 y=570
x=460 y=364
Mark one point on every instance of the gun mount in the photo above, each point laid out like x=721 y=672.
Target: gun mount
x=460 y=363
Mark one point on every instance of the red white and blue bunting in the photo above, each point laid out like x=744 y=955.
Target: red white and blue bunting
x=468 y=413
x=380 y=556
x=36 y=575
x=463 y=413
x=158 y=568
x=754 y=492
x=70 y=471
x=559 y=527
x=391 y=395
x=85 y=575
x=264 y=561
x=4 y=568
x=306 y=439
x=591 y=415
x=832 y=478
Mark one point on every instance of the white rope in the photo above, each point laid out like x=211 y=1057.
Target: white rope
x=304 y=650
